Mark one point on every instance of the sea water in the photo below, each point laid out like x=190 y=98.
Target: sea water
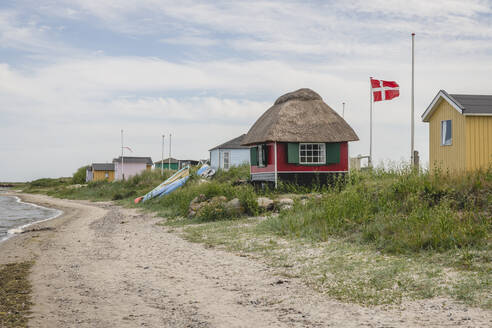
x=16 y=215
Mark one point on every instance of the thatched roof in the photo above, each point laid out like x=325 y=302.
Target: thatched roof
x=300 y=116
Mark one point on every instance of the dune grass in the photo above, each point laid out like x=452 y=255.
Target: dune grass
x=398 y=212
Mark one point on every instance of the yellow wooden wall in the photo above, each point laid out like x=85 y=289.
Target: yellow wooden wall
x=447 y=158
x=478 y=142
x=101 y=175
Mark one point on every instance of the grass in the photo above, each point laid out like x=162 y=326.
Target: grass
x=15 y=294
x=176 y=204
x=376 y=237
x=352 y=272
x=398 y=212
x=100 y=190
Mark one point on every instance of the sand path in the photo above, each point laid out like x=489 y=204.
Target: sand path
x=105 y=266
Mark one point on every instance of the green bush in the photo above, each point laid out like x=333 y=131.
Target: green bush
x=213 y=211
x=79 y=176
x=233 y=174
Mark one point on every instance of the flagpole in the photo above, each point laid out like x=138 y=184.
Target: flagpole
x=412 y=145
x=162 y=156
x=370 y=123
x=122 y=173
x=169 y=161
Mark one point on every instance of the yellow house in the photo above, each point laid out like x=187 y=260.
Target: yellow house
x=100 y=172
x=460 y=132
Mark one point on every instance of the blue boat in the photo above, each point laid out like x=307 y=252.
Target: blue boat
x=171 y=183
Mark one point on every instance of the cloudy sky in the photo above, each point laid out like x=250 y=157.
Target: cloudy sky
x=73 y=73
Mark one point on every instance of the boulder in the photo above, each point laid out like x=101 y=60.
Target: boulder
x=234 y=206
x=219 y=199
x=285 y=201
x=198 y=199
x=195 y=204
x=265 y=203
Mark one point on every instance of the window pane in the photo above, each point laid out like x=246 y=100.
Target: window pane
x=313 y=153
x=446 y=133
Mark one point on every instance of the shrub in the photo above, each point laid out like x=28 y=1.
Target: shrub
x=80 y=175
x=213 y=211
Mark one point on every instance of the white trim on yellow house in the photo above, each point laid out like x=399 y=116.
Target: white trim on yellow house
x=435 y=103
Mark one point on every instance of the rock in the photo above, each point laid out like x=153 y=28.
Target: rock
x=234 y=206
x=218 y=199
x=198 y=199
x=285 y=201
x=265 y=203
x=196 y=204
x=285 y=207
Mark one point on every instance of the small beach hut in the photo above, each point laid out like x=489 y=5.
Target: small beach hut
x=167 y=164
x=130 y=166
x=299 y=139
x=230 y=153
x=100 y=172
x=460 y=132
x=174 y=164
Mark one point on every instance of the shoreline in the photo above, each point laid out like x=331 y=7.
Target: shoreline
x=21 y=229
x=102 y=265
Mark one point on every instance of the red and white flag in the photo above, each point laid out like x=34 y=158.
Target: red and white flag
x=384 y=90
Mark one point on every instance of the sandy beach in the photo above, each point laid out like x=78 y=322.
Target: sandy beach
x=100 y=265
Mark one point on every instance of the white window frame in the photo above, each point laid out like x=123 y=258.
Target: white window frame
x=228 y=165
x=321 y=158
x=444 y=141
x=106 y=175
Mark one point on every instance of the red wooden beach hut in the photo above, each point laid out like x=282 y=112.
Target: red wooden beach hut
x=299 y=139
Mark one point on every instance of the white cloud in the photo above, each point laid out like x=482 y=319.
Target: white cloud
x=74 y=104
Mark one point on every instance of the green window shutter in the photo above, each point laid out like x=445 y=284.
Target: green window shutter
x=332 y=153
x=293 y=153
x=253 y=151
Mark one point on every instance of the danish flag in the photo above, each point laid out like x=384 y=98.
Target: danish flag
x=384 y=90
